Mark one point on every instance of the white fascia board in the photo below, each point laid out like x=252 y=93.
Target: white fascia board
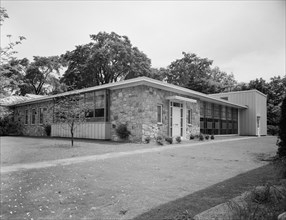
x=180 y=98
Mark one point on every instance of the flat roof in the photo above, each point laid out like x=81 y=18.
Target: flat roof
x=136 y=82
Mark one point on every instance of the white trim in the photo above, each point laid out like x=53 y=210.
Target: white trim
x=180 y=98
x=141 y=81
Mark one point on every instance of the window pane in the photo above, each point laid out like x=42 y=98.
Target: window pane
x=89 y=113
x=99 y=112
x=159 y=114
x=99 y=101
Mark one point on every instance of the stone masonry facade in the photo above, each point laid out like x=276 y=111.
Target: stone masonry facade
x=36 y=129
x=137 y=108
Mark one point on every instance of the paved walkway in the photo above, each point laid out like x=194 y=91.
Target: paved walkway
x=75 y=160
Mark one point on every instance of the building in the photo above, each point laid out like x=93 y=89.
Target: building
x=150 y=108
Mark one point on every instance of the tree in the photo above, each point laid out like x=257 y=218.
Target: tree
x=276 y=92
x=282 y=131
x=108 y=58
x=38 y=73
x=70 y=111
x=220 y=81
x=190 y=71
x=10 y=67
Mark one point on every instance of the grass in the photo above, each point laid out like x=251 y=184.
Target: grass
x=189 y=206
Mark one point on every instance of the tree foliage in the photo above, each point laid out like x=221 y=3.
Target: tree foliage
x=10 y=67
x=38 y=73
x=108 y=58
x=196 y=73
x=282 y=131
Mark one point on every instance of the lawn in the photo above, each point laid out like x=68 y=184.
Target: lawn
x=151 y=184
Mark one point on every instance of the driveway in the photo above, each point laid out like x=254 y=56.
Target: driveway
x=122 y=187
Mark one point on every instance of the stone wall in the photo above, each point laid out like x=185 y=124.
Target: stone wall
x=137 y=107
x=194 y=128
x=36 y=129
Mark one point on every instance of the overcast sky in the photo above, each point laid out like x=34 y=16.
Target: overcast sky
x=246 y=38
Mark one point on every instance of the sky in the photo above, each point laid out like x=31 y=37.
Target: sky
x=246 y=38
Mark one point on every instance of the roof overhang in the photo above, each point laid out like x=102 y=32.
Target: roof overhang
x=137 y=82
x=180 y=98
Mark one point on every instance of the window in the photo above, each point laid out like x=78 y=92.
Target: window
x=33 y=116
x=159 y=113
x=41 y=115
x=97 y=106
x=189 y=116
x=26 y=116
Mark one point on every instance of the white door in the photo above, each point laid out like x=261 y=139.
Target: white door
x=258 y=126
x=176 y=126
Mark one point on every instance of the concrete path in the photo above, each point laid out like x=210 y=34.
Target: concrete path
x=75 y=160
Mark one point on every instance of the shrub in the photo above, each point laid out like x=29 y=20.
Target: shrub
x=122 y=131
x=207 y=137
x=147 y=140
x=201 y=137
x=169 y=140
x=159 y=140
x=192 y=137
x=272 y=130
x=282 y=131
x=48 y=129
x=212 y=137
x=178 y=139
x=8 y=127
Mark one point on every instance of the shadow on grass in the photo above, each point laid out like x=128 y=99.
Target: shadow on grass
x=211 y=196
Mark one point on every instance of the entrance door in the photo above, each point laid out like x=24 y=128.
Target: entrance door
x=176 y=126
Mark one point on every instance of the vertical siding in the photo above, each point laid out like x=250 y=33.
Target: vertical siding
x=93 y=130
x=260 y=102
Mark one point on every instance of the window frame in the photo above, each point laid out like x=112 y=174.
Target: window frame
x=26 y=116
x=33 y=116
x=161 y=114
x=189 y=116
x=41 y=115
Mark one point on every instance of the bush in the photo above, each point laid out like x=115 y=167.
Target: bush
x=10 y=127
x=159 y=140
x=272 y=130
x=169 y=140
x=48 y=129
x=212 y=137
x=282 y=131
x=207 y=137
x=192 y=137
x=122 y=131
x=201 y=137
x=178 y=139
x=147 y=140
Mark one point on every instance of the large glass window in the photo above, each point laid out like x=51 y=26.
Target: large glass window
x=97 y=104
